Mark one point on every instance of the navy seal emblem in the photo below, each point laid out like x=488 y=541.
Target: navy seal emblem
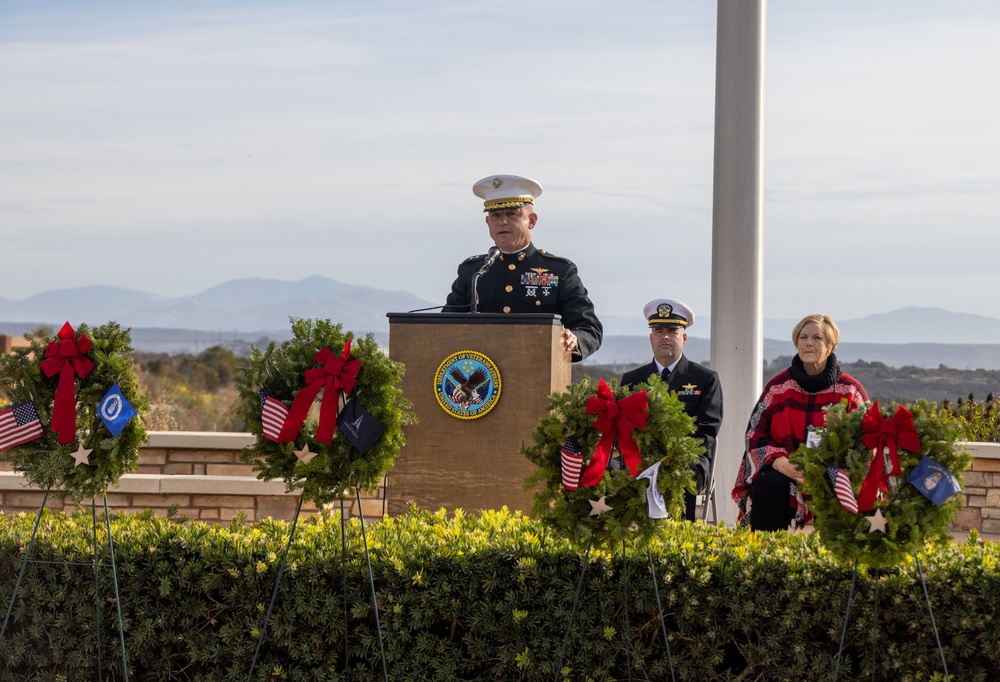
x=467 y=384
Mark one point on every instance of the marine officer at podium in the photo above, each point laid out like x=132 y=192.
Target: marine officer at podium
x=516 y=277
x=697 y=386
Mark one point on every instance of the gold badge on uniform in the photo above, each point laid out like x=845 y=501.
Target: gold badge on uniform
x=689 y=389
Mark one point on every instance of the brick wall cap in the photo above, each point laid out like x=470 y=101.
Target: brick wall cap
x=199 y=440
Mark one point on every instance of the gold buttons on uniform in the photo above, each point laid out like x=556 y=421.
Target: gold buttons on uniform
x=512 y=267
x=538 y=303
x=506 y=308
x=509 y=288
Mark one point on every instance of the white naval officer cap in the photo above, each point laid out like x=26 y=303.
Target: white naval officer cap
x=506 y=191
x=668 y=312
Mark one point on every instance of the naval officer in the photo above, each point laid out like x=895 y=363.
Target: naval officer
x=697 y=386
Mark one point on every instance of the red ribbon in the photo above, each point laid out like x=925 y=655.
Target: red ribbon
x=66 y=358
x=881 y=434
x=615 y=420
x=338 y=374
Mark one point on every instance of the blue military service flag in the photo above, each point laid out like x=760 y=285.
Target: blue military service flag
x=115 y=411
x=362 y=429
x=934 y=481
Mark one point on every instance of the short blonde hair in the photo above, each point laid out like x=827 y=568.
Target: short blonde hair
x=830 y=330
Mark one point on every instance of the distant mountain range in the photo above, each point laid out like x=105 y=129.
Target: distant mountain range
x=243 y=305
x=252 y=310
x=629 y=351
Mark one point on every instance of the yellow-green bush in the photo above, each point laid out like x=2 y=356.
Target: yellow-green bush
x=980 y=420
x=479 y=597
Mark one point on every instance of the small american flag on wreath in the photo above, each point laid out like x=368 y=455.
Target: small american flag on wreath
x=572 y=463
x=272 y=415
x=842 y=488
x=18 y=425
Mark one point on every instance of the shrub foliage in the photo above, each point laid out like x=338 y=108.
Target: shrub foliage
x=480 y=597
x=980 y=421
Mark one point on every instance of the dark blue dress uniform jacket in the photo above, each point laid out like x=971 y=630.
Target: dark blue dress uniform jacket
x=531 y=281
x=700 y=391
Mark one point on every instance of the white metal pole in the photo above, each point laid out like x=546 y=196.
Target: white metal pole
x=737 y=229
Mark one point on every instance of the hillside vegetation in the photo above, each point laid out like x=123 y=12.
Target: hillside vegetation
x=191 y=392
x=883 y=383
x=198 y=392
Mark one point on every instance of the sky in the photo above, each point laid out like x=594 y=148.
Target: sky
x=170 y=147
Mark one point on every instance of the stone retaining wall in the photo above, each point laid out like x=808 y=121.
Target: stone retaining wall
x=201 y=473
x=981 y=503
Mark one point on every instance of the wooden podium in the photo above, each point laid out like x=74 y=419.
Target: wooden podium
x=472 y=464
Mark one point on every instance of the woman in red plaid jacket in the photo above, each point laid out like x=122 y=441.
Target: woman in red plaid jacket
x=787 y=414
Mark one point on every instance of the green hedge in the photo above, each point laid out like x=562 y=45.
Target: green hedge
x=483 y=597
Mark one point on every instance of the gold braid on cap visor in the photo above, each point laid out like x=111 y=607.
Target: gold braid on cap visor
x=512 y=202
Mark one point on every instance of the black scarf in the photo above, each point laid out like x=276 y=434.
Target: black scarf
x=814 y=383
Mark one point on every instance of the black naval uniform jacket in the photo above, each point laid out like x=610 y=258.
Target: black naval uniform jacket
x=531 y=281
x=700 y=391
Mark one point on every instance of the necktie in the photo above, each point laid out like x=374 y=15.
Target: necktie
x=665 y=374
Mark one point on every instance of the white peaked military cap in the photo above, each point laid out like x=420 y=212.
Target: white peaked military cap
x=668 y=312
x=506 y=191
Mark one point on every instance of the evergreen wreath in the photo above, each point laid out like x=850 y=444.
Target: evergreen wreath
x=911 y=520
x=666 y=439
x=339 y=466
x=44 y=462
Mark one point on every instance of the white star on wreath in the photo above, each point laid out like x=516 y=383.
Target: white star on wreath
x=305 y=455
x=876 y=522
x=598 y=507
x=82 y=455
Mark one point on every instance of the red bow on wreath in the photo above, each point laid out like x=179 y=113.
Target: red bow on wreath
x=881 y=434
x=615 y=420
x=338 y=374
x=66 y=358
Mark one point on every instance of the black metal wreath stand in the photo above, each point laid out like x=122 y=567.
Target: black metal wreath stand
x=659 y=608
x=114 y=578
x=97 y=565
x=371 y=582
x=930 y=611
x=627 y=641
x=572 y=613
x=274 y=592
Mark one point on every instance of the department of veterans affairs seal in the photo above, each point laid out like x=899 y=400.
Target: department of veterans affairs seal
x=467 y=384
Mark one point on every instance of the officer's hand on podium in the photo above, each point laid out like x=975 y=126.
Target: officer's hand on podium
x=569 y=341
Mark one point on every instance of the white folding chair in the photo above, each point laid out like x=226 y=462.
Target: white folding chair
x=707 y=498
